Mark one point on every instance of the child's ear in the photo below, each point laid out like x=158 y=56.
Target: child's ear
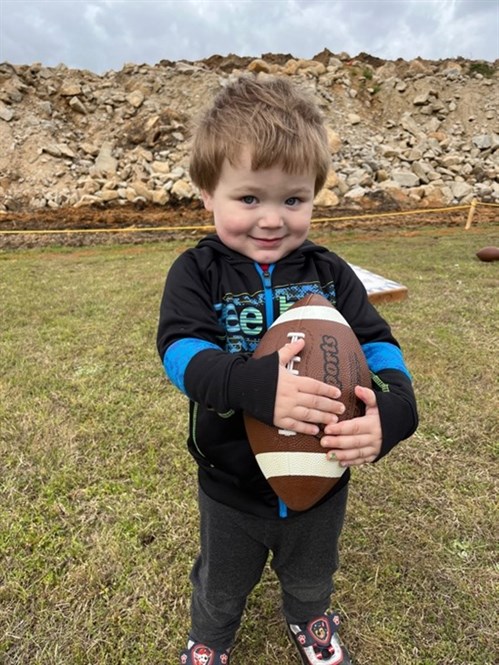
x=207 y=200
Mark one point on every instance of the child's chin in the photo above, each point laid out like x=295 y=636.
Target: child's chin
x=271 y=254
x=268 y=257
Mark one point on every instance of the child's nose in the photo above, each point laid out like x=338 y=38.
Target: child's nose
x=271 y=218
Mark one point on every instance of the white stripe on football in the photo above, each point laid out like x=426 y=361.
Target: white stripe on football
x=310 y=313
x=275 y=464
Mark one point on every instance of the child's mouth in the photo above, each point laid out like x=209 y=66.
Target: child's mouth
x=267 y=242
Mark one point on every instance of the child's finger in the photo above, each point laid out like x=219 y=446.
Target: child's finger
x=367 y=395
x=290 y=351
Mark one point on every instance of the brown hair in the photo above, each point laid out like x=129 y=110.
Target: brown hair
x=279 y=122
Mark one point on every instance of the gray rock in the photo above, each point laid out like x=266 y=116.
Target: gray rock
x=460 y=190
x=105 y=163
x=6 y=113
x=405 y=178
x=77 y=105
x=482 y=141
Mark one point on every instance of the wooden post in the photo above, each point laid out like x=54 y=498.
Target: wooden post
x=470 y=215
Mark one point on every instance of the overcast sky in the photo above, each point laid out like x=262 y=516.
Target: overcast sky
x=100 y=35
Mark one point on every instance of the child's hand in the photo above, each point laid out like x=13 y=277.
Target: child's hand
x=302 y=403
x=356 y=441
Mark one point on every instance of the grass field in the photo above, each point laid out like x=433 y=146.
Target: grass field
x=98 y=520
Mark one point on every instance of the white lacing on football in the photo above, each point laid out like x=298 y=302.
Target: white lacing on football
x=290 y=366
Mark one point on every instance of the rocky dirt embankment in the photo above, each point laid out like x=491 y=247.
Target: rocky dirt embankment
x=402 y=134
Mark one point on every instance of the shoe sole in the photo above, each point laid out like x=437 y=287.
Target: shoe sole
x=303 y=658
x=293 y=640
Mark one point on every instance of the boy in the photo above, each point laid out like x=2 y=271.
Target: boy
x=259 y=157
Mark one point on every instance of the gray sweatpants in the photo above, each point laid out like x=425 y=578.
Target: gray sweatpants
x=234 y=549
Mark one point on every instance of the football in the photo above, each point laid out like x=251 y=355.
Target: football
x=295 y=465
x=488 y=254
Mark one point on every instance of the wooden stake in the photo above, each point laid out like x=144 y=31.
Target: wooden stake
x=470 y=215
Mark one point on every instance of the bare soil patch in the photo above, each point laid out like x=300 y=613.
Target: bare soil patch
x=134 y=224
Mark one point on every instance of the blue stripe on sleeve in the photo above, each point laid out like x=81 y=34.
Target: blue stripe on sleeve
x=383 y=355
x=180 y=354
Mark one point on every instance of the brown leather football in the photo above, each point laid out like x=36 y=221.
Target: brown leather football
x=488 y=254
x=296 y=465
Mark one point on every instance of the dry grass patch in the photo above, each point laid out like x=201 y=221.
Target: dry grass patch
x=98 y=521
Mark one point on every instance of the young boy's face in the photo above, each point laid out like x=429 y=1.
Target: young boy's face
x=263 y=214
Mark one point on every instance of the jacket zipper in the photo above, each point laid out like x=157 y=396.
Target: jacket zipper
x=266 y=277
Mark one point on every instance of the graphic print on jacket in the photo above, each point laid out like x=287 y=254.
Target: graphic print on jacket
x=243 y=316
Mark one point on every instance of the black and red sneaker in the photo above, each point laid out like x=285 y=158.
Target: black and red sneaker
x=318 y=642
x=200 y=654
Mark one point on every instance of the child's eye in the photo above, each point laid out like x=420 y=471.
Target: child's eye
x=248 y=200
x=292 y=201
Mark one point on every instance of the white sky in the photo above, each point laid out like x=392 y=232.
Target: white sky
x=100 y=35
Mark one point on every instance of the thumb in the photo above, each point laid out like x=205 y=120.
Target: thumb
x=290 y=350
x=367 y=395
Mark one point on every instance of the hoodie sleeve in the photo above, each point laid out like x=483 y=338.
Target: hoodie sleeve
x=397 y=407
x=191 y=341
x=391 y=379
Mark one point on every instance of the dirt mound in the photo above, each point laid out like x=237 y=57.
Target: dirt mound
x=402 y=134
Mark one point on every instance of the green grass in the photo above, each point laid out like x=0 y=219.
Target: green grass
x=98 y=519
x=482 y=68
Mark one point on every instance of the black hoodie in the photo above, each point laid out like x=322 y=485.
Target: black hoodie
x=216 y=306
